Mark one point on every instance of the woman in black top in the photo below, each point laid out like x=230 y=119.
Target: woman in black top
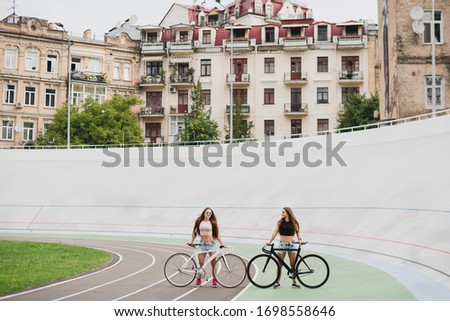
x=287 y=227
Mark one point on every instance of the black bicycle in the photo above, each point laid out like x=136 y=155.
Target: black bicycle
x=263 y=270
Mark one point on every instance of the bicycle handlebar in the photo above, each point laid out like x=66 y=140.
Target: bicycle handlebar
x=272 y=245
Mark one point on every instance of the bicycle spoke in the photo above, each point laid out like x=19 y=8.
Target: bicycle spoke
x=230 y=270
x=263 y=271
x=313 y=271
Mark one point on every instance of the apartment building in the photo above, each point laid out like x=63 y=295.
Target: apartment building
x=35 y=69
x=406 y=57
x=290 y=73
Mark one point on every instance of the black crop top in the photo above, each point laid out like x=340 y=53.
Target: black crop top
x=287 y=228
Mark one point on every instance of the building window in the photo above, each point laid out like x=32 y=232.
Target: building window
x=429 y=92
x=205 y=67
x=347 y=91
x=153 y=99
x=31 y=61
x=322 y=64
x=322 y=33
x=269 y=96
x=206 y=94
x=11 y=58
x=81 y=91
x=269 y=10
x=52 y=63
x=154 y=68
x=9 y=95
x=94 y=65
x=28 y=131
x=75 y=64
x=351 y=30
x=152 y=37
x=438 y=27
x=7 y=129
x=269 y=65
x=116 y=71
x=50 y=98
x=184 y=36
x=350 y=64
x=30 y=96
x=206 y=37
x=322 y=95
x=269 y=127
x=176 y=126
x=296 y=128
x=322 y=125
x=270 y=35
x=126 y=71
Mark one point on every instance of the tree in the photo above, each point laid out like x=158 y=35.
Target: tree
x=198 y=125
x=358 y=110
x=241 y=127
x=111 y=122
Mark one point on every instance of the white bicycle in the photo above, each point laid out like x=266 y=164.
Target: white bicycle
x=181 y=269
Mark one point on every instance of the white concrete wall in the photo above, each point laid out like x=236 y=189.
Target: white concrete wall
x=391 y=199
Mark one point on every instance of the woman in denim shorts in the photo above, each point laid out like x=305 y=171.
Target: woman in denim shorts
x=288 y=227
x=207 y=228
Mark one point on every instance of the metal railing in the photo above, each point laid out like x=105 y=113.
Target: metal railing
x=445 y=112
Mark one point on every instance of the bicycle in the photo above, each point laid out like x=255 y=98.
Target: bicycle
x=263 y=270
x=181 y=269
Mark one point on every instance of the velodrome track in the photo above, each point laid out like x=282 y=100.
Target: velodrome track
x=388 y=209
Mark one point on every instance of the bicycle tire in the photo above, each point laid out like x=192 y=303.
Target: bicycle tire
x=312 y=271
x=230 y=270
x=263 y=271
x=180 y=270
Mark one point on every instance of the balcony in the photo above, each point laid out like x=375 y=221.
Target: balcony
x=179 y=109
x=351 y=77
x=88 y=76
x=152 y=81
x=181 y=46
x=152 y=47
x=245 y=109
x=350 y=41
x=300 y=109
x=295 y=78
x=181 y=80
x=239 y=80
x=239 y=44
x=152 y=111
x=294 y=43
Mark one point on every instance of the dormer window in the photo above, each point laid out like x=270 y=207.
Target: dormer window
x=258 y=7
x=270 y=34
x=184 y=36
x=152 y=37
x=239 y=33
x=351 y=30
x=322 y=33
x=296 y=32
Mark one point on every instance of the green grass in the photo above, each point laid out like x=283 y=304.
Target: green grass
x=27 y=264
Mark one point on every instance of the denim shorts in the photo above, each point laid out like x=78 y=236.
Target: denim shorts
x=207 y=246
x=287 y=246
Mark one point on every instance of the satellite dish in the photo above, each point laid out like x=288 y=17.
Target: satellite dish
x=416 y=13
x=133 y=19
x=418 y=26
x=18 y=128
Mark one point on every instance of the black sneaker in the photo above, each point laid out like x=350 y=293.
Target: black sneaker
x=295 y=285
x=276 y=286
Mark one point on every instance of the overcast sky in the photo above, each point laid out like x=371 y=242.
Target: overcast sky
x=102 y=15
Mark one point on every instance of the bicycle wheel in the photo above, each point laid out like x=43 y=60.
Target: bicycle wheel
x=312 y=271
x=230 y=270
x=263 y=271
x=180 y=269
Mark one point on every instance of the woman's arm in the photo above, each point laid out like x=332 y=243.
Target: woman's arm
x=274 y=235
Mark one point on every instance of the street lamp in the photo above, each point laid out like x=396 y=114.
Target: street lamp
x=232 y=21
x=69 y=83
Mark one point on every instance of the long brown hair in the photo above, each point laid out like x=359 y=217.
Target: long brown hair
x=292 y=218
x=212 y=219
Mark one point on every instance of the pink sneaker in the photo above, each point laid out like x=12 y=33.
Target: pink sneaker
x=214 y=283
x=198 y=282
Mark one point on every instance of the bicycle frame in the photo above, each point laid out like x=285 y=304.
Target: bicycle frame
x=217 y=253
x=273 y=252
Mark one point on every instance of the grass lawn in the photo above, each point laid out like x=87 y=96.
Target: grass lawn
x=27 y=264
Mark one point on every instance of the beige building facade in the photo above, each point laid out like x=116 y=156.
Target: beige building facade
x=406 y=58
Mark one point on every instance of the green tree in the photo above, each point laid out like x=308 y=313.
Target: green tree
x=358 y=110
x=198 y=125
x=111 y=122
x=242 y=129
